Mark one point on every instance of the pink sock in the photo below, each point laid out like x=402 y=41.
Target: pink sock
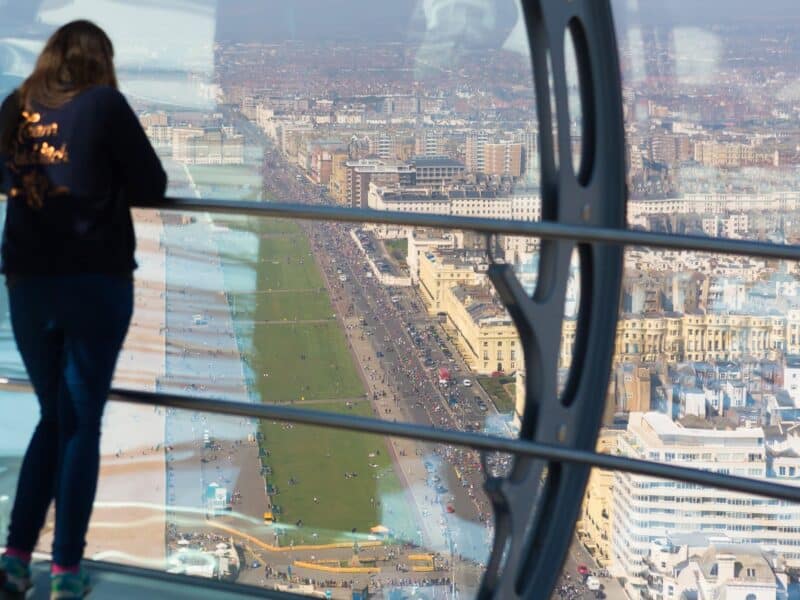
x=59 y=570
x=14 y=553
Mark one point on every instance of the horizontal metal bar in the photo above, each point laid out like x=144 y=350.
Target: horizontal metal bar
x=487 y=443
x=540 y=229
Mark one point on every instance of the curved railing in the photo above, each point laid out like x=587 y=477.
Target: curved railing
x=523 y=448
x=583 y=210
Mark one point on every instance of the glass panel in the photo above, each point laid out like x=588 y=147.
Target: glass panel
x=706 y=344
x=274 y=505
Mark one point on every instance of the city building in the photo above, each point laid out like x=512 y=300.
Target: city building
x=206 y=146
x=647 y=509
x=158 y=129
x=441 y=270
x=633 y=387
x=730 y=154
x=424 y=241
x=437 y=171
x=706 y=566
x=476 y=150
x=429 y=142
x=791 y=377
x=337 y=186
x=529 y=138
x=504 y=158
x=594 y=525
x=454 y=200
x=360 y=173
x=484 y=333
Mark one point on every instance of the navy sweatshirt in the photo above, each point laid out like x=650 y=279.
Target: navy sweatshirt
x=70 y=178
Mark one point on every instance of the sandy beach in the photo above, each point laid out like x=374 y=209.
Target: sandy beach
x=128 y=521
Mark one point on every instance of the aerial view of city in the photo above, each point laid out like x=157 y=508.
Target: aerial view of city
x=429 y=107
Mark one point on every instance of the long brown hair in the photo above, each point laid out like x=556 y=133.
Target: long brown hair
x=79 y=55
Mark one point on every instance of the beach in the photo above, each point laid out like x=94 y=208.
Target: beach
x=128 y=521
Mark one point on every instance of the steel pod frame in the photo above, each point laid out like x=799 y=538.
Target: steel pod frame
x=537 y=504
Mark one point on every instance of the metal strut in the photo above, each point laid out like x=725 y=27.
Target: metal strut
x=537 y=504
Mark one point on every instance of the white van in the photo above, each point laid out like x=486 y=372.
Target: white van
x=593 y=583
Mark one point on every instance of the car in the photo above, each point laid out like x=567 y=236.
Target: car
x=255 y=564
x=450 y=508
x=379 y=354
x=441 y=489
x=583 y=570
x=467 y=383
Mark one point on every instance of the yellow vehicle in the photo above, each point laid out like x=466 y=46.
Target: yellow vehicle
x=269 y=518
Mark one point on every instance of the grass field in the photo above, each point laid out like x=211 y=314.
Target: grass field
x=307 y=361
x=303 y=361
x=397 y=248
x=373 y=497
x=279 y=306
x=494 y=386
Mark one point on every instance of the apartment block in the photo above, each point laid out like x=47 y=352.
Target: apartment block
x=484 y=332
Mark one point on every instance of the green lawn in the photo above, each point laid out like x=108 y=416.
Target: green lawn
x=310 y=361
x=494 y=387
x=287 y=263
x=397 y=248
x=318 y=458
x=279 y=262
x=288 y=361
x=279 y=306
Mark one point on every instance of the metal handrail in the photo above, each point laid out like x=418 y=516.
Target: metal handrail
x=478 y=441
x=540 y=229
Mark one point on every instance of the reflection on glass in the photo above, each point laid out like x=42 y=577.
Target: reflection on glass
x=238 y=500
x=422 y=106
x=164 y=51
x=706 y=346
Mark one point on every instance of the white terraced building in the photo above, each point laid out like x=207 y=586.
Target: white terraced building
x=647 y=508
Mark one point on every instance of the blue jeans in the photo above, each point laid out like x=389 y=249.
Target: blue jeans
x=69 y=330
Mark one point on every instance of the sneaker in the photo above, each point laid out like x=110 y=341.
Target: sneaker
x=68 y=586
x=15 y=574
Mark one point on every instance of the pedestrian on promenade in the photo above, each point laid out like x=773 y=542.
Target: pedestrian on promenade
x=73 y=156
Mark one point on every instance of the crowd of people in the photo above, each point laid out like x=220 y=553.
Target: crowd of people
x=404 y=376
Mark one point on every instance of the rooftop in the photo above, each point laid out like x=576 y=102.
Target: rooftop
x=670 y=432
x=436 y=161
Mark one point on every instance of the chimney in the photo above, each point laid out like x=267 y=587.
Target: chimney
x=725 y=566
